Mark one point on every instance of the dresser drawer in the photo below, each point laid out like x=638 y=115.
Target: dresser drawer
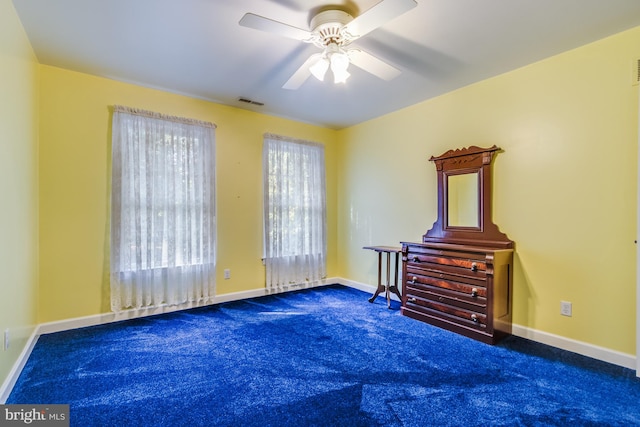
x=443 y=274
x=447 y=262
x=475 y=294
x=446 y=309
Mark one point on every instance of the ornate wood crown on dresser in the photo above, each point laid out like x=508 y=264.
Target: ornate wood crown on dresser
x=460 y=276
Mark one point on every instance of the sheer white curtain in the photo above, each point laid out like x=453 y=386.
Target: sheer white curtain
x=294 y=212
x=163 y=223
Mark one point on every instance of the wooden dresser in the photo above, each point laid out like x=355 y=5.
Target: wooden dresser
x=460 y=276
x=465 y=289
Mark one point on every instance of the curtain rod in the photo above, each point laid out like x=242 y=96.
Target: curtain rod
x=154 y=115
x=276 y=137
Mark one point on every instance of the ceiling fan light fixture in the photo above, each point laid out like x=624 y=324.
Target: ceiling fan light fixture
x=339 y=65
x=339 y=61
x=319 y=69
x=340 y=76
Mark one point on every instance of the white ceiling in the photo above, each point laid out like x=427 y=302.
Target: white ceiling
x=197 y=48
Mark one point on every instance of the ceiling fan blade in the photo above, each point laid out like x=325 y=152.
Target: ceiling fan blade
x=261 y=23
x=302 y=74
x=377 y=16
x=372 y=64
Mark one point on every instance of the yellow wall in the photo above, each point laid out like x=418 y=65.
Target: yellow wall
x=75 y=144
x=18 y=186
x=565 y=186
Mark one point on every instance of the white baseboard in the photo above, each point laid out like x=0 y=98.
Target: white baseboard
x=17 y=367
x=589 y=350
x=104 y=318
x=357 y=285
x=596 y=352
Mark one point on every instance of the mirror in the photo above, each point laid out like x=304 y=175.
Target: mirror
x=463 y=200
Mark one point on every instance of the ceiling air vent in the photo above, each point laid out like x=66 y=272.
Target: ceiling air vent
x=250 y=101
x=635 y=72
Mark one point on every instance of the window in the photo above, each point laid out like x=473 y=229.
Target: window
x=294 y=211
x=163 y=210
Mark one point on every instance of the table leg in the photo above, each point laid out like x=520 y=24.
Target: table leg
x=388 y=284
x=394 y=288
x=380 y=286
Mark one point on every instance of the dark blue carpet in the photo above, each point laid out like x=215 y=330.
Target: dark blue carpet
x=323 y=357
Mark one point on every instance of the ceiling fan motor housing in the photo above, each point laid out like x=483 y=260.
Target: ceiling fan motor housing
x=327 y=28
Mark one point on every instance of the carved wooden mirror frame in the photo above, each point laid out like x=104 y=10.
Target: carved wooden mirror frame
x=465 y=161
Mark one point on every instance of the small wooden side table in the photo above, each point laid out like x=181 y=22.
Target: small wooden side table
x=388 y=288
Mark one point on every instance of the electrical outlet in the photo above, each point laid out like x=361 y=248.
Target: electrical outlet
x=227 y=273
x=565 y=308
x=5 y=345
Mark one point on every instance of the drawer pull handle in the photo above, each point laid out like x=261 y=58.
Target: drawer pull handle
x=414 y=280
x=415 y=258
x=474 y=266
x=413 y=300
x=474 y=318
x=474 y=292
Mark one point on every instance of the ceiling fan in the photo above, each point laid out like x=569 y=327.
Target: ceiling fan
x=333 y=30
